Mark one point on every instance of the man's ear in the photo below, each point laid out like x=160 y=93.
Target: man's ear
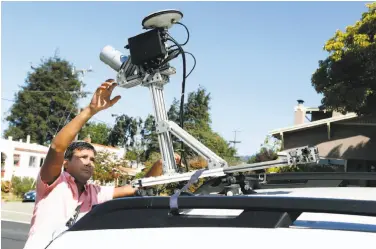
x=65 y=164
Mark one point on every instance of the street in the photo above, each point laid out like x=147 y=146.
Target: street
x=15 y=220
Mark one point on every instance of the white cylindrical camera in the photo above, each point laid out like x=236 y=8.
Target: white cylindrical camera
x=112 y=57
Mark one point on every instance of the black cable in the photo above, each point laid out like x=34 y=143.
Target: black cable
x=172 y=55
x=175 y=53
x=187 y=36
x=187 y=33
x=182 y=96
x=194 y=65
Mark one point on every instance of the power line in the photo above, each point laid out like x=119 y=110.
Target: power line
x=235 y=141
x=11 y=100
x=39 y=91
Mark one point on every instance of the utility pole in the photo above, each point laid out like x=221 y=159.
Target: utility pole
x=81 y=73
x=235 y=141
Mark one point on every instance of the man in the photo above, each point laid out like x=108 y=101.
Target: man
x=62 y=193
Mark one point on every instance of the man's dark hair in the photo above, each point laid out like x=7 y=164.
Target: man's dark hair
x=80 y=145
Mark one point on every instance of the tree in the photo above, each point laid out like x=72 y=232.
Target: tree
x=124 y=131
x=98 y=132
x=196 y=110
x=347 y=76
x=106 y=166
x=45 y=103
x=149 y=137
x=131 y=155
x=197 y=122
x=269 y=152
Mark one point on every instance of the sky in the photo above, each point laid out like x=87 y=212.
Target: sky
x=255 y=58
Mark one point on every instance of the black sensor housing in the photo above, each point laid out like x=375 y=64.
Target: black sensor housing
x=147 y=49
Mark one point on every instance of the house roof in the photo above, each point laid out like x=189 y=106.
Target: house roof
x=129 y=171
x=312 y=124
x=105 y=146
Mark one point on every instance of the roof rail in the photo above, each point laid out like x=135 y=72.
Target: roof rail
x=255 y=211
x=319 y=176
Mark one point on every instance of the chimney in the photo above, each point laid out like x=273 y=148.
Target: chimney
x=300 y=113
x=28 y=139
x=87 y=139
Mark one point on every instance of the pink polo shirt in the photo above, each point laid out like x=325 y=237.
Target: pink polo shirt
x=55 y=204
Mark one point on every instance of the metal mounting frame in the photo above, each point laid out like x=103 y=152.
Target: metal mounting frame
x=131 y=76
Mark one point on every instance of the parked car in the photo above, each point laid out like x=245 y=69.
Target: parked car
x=29 y=196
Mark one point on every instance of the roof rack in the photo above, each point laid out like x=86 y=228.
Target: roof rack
x=237 y=184
x=248 y=211
x=298 y=156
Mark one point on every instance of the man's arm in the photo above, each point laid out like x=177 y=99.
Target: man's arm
x=156 y=170
x=51 y=168
x=124 y=191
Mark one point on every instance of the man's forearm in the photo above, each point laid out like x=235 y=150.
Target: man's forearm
x=64 y=138
x=124 y=191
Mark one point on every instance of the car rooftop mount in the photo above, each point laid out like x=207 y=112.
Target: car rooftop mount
x=148 y=66
x=299 y=156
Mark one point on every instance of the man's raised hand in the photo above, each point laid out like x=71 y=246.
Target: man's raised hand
x=101 y=98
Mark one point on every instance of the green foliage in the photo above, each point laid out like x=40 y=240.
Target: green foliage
x=19 y=186
x=213 y=141
x=131 y=155
x=347 y=76
x=196 y=110
x=268 y=152
x=124 y=131
x=149 y=137
x=197 y=122
x=5 y=186
x=99 y=133
x=106 y=165
x=45 y=103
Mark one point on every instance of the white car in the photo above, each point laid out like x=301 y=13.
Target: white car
x=292 y=217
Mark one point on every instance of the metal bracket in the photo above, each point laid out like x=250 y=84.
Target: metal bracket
x=162 y=127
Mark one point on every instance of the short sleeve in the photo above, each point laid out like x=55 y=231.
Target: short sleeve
x=43 y=189
x=105 y=193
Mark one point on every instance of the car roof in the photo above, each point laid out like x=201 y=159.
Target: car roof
x=351 y=193
x=305 y=226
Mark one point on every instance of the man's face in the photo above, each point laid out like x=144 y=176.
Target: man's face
x=81 y=166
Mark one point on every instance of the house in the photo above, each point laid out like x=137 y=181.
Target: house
x=24 y=159
x=118 y=152
x=345 y=138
